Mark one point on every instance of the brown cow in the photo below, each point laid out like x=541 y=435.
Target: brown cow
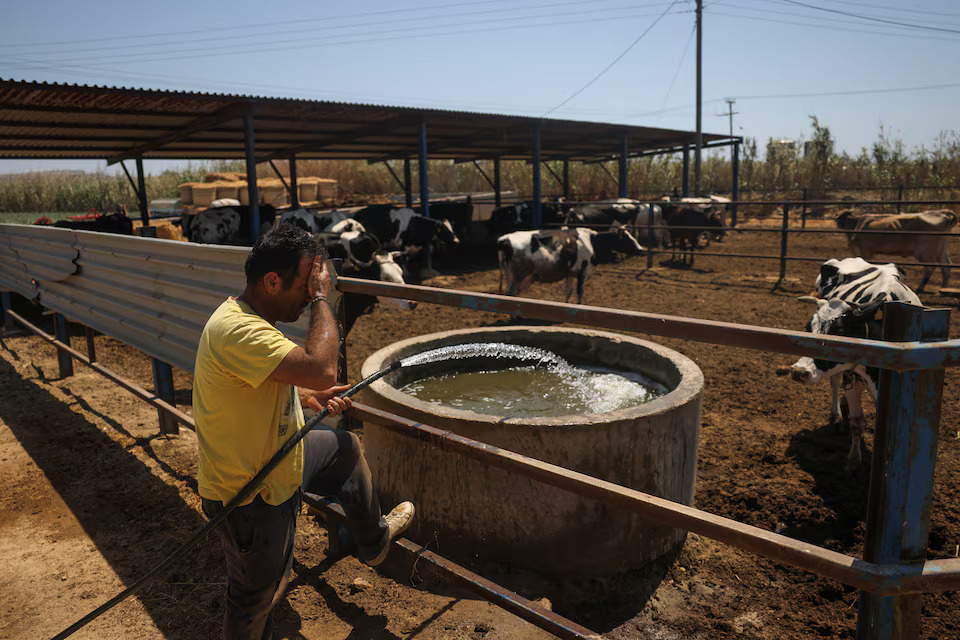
x=931 y=248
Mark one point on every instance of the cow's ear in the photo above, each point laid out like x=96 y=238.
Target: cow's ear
x=867 y=311
x=827 y=271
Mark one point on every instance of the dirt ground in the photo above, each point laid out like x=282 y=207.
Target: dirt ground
x=95 y=497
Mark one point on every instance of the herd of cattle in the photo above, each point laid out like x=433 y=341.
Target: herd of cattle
x=382 y=242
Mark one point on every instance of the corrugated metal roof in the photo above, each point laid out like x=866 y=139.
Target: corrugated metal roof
x=43 y=120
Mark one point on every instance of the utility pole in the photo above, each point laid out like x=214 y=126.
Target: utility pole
x=699 y=138
x=730 y=112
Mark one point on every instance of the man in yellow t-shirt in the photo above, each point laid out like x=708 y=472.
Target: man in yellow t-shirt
x=249 y=384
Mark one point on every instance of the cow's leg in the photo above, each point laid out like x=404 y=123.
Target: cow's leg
x=945 y=271
x=927 y=272
x=857 y=426
x=836 y=413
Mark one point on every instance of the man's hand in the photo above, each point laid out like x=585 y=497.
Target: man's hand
x=327 y=398
x=319 y=283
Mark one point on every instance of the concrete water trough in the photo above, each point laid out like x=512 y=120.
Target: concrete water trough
x=467 y=510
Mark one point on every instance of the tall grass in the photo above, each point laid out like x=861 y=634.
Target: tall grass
x=783 y=173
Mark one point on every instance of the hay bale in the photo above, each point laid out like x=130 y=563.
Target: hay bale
x=204 y=194
x=326 y=189
x=272 y=192
x=186 y=192
x=227 y=190
x=306 y=190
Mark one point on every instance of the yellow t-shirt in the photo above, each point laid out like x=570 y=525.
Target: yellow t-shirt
x=242 y=417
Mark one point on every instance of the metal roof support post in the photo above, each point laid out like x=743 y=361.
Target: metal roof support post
x=685 y=190
x=901 y=474
x=407 y=183
x=497 y=184
x=537 y=218
x=163 y=386
x=142 y=193
x=64 y=361
x=566 y=178
x=624 y=151
x=251 y=162
x=294 y=189
x=735 y=187
x=424 y=166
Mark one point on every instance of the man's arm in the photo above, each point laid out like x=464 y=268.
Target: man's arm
x=315 y=365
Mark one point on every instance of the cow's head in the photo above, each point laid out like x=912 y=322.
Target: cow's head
x=836 y=317
x=445 y=235
x=215 y=226
x=390 y=271
x=847 y=219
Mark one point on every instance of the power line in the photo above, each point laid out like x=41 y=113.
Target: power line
x=794 y=23
x=615 y=61
x=320 y=32
x=870 y=18
x=805 y=13
x=374 y=36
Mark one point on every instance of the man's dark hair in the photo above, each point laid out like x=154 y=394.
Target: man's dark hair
x=280 y=251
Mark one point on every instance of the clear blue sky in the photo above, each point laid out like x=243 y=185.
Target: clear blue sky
x=858 y=65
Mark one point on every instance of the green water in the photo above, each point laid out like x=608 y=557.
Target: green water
x=531 y=392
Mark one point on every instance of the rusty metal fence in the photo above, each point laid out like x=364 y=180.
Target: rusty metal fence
x=893 y=573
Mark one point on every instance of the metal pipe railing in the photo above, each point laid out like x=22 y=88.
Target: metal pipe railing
x=904 y=356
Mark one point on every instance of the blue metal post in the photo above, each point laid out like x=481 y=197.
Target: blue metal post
x=294 y=189
x=497 y=201
x=685 y=191
x=901 y=474
x=425 y=185
x=407 y=183
x=624 y=150
x=64 y=361
x=251 y=159
x=142 y=194
x=163 y=383
x=424 y=182
x=537 y=218
x=735 y=187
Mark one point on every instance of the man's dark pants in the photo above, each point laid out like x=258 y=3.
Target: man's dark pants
x=258 y=538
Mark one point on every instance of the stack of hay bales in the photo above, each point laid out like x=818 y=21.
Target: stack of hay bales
x=270 y=191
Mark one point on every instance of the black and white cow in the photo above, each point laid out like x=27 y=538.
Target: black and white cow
x=225 y=225
x=409 y=232
x=519 y=217
x=363 y=258
x=326 y=222
x=621 y=212
x=571 y=255
x=688 y=225
x=849 y=295
x=405 y=229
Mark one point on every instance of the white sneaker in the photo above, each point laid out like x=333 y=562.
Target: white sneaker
x=398 y=520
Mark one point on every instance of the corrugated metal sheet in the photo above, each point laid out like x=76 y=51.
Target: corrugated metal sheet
x=152 y=294
x=43 y=120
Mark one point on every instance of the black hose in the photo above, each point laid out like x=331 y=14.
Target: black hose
x=230 y=506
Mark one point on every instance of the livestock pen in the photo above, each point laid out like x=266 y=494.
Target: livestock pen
x=842 y=567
